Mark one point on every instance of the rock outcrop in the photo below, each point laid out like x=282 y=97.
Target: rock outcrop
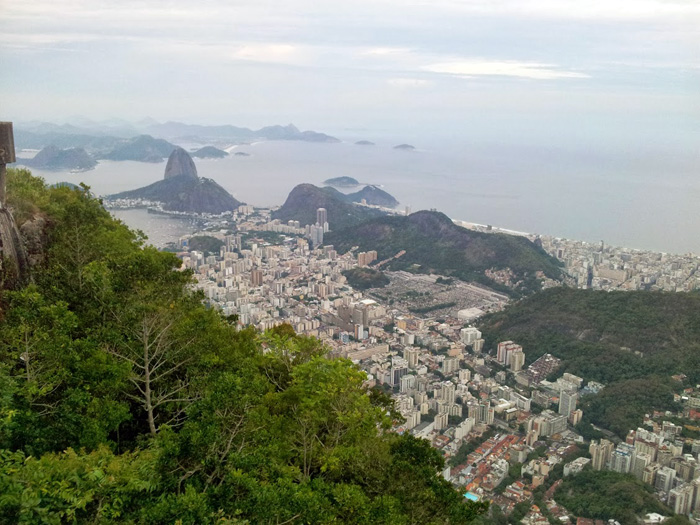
x=180 y=164
x=182 y=190
x=14 y=265
x=35 y=237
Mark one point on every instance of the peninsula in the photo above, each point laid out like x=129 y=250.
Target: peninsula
x=182 y=190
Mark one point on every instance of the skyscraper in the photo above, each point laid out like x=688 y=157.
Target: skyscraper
x=567 y=402
x=517 y=360
x=321 y=216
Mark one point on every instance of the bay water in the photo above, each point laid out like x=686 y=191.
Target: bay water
x=638 y=199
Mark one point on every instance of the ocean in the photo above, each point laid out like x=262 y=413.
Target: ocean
x=638 y=199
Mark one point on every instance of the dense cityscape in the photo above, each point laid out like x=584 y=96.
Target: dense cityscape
x=504 y=428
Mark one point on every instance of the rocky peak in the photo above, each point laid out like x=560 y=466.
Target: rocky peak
x=180 y=164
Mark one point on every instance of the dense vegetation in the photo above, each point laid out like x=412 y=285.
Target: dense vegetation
x=364 y=278
x=124 y=400
x=632 y=341
x=608 y=495
x=205 y=243
x=434 y=244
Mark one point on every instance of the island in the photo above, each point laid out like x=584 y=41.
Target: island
x=341 y=182
x=405 y=147
x=364 y=143
x=242 y=154
x=54 y=158
x=209 y=152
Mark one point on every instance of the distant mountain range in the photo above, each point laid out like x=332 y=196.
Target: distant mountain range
x=147 y=141
x=305 y=199
x=143 y=148
x=178 y=130
x=434 y=244
x=183 y=190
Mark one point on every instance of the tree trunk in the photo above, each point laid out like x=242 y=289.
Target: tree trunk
x=147 y=388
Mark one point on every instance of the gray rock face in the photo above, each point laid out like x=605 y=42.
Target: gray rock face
x=14 y=265
x=36 y=239
x=180 y=164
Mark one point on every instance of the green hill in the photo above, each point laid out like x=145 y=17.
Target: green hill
x=305 y=199
x=631 y=341
x=434 y=244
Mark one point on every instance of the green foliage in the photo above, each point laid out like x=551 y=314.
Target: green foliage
x=28 y=195
x=205 y=243
x=364 y=278
x=123 y=399
x=596 y=334
x=639 y=395
x=608 y=495
x=74 y=487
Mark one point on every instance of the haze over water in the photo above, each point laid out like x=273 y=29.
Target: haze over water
x=645 y=200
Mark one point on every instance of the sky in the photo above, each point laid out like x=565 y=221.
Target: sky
x=621 y=73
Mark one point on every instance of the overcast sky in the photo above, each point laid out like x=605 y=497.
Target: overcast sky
x=514 y=68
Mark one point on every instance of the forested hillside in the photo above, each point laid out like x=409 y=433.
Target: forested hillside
x=124 y=400
x=632 y=341
x=434 y=244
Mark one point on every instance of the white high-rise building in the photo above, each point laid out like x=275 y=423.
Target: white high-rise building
x=567 y=402
x=469 y=335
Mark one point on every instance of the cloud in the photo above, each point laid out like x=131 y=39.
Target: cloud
x=269 y=52
x=570 y=9
x=409 y=82
x=473 y=68
x=386 y=51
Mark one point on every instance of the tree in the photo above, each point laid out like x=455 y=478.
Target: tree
x=150 y=329
x=55 y=403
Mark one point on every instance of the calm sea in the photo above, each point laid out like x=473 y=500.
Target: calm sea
x=648 y=200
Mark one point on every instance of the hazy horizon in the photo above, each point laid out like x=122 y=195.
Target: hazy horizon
x=621 y=74
x=601 y=96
